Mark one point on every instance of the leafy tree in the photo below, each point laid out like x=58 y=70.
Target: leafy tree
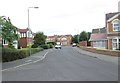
x=75 y=39
x=9 y=31
x=1 y=24
x=88 y=36
x=39 y=39
x=83 y=36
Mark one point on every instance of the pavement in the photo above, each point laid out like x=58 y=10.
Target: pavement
x=109 y=58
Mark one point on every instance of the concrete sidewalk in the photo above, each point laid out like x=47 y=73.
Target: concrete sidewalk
x=100 y=56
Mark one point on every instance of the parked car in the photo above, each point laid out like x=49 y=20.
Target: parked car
x=74 y=44
x=58 y=46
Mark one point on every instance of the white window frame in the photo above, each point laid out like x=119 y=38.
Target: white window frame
x=116 y=43
x=114 y=23
x=4 y=42
x=99 y=44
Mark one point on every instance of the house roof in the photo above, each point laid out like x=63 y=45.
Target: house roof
x=23 y=30
x=99 y=30
x=103 y=30
x=98 y=36
x=95 y=30
x=50 y=36
x=115 y=16
x=110 y=15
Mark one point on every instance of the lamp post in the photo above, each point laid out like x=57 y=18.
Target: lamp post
x=29 y=29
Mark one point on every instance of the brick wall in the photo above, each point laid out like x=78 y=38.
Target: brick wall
x=110 y=29
x=85 y=43
x=99 y=51
x=23 y=42
x=109 y=43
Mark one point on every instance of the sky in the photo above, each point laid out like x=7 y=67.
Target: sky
x=58 y=17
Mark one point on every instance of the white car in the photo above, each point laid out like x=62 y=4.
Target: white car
x=58 y=46
x=74 y=44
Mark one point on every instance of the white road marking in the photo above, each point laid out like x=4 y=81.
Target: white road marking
x=26 y=63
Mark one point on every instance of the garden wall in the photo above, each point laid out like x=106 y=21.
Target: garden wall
x=102 y=51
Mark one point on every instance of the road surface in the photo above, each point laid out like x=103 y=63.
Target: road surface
x=66 y=64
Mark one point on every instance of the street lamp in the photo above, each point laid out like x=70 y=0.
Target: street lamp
x=29 y=28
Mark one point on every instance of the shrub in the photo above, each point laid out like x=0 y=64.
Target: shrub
x=14 y=54
x=19 y=46
x=51 y=45
x=34 y=46
x=46 y=46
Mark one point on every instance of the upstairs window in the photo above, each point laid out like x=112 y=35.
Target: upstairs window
x=4 y=42
x=116 y=25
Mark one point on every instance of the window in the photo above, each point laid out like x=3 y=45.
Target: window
x=23 y=34
x=116 y=25
x=4 y=42
x=94 y=43
x=14 y=42
x=99 y=44
x=114 y=44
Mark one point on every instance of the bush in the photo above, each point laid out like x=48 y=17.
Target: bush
x=51 y=45
x=46 y=46
x=34 y=46
x=34 y=50
x=19 y=46
x=14 y=54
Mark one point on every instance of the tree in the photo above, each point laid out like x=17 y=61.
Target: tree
x=75 y=39
x=39 y=39
x=1 y=24
x=83 y=36
x=88 y=36
x=9 y=31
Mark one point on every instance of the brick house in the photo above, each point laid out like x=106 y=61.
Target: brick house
x=108 y=37
x=5 y=43
x=63 y=39
x=51 y=38
x=26 y=37
x=113 y=30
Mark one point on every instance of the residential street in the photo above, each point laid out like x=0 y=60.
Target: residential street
x=66 y=64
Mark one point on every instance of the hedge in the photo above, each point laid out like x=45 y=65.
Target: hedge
x=46 y=46
x=53 y=43
x=14 y=54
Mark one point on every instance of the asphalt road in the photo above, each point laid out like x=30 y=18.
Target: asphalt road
x=67 y=64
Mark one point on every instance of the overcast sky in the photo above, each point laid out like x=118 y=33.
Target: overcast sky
x=58 y=16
